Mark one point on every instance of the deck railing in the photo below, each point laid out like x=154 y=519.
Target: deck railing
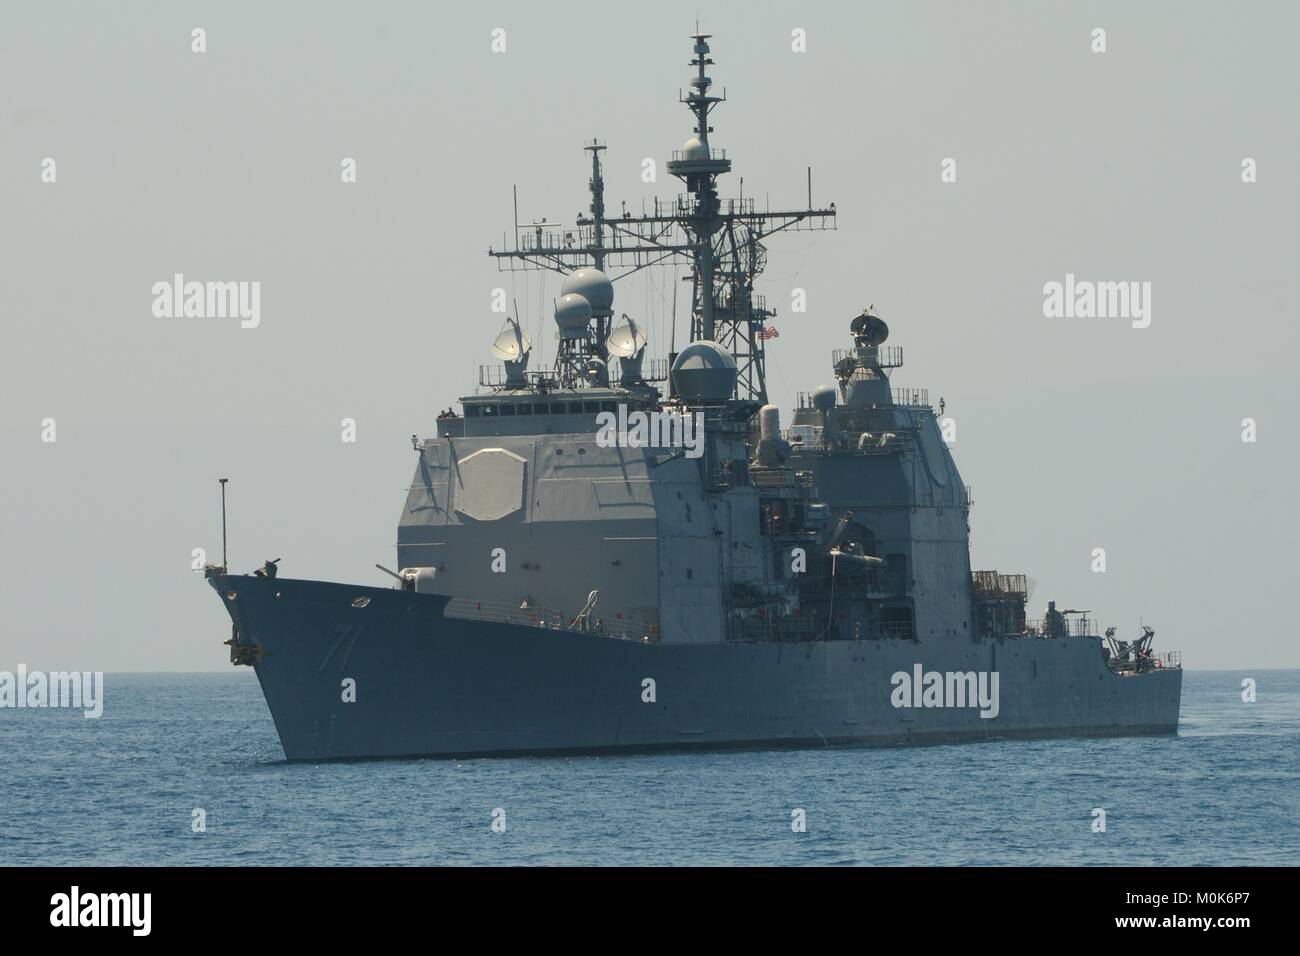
x=607 y=624
x=885 y=356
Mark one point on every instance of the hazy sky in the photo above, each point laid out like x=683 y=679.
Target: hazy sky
x=1074 y=433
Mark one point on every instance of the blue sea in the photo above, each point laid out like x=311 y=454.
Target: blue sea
x=123 y=789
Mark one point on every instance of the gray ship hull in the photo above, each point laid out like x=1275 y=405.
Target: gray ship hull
x=430 y=685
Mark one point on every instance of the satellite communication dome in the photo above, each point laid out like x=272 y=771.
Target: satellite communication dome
x=511 y=345
x=594 y=286
x=694 y=149
x=573 y=315
x=823 y=397
x=704 y=372
x=626 y=340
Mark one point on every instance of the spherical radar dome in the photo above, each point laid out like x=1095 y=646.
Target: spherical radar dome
x=573 y=315
x=694 y=149
x=704 y=372
x=594 y=286
x=823 y=397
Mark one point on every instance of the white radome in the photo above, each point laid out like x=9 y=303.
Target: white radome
x=694 y=149
x=594 y=286
x=573 y=315
x=704 y=372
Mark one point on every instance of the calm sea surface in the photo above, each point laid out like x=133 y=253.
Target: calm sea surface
x=122 y=790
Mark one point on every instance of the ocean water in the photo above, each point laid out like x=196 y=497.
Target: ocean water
x=123 y=790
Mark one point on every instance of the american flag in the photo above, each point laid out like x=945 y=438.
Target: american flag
x=768 y=333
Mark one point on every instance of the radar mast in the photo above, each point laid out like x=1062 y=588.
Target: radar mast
x=722 y=239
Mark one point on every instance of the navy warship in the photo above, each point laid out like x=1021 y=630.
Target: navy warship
x=616 y=553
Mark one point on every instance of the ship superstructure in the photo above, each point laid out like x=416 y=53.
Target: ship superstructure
x=605 y=555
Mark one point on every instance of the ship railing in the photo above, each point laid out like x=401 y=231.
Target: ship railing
x=898 y=630
x=652 y=370
x=990 y=582
x=611 y=624
x=1145 y=663
x=494 y=376
x=772 y=477
x=912 y=397
x=850 y=441
x=794 y=629
x=530 y=238
x=501 y=612
x=687 y=155
x=769 y=630
x=1082 y=626
x=883 y=356
x=683 y=205
x=879 y=443
x=903 y=397
x=734 y=307
x=780 y=478
x=941 y=497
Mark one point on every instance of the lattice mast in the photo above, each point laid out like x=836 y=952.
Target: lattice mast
x=721 y=239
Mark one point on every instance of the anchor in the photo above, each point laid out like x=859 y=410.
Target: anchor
x=249 y=654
